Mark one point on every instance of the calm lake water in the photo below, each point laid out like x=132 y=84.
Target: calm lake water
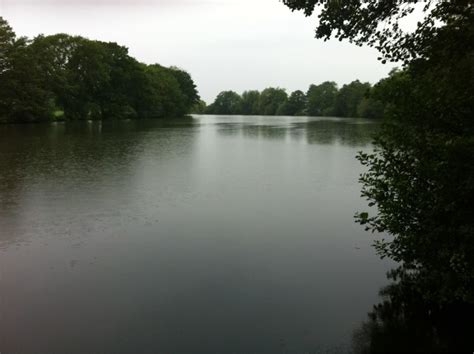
x=209 y=235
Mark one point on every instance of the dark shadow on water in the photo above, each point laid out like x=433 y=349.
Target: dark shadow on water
x=325 y=131
x=347 y=132
x=264 y=131
x=405 y=322
x=253 y=131
x=68 y=159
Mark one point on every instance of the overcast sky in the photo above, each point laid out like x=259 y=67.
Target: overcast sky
x=224 y=44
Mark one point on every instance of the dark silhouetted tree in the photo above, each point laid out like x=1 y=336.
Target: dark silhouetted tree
x=321 y=99
x=349 y=97
x=250 y=102
x=66 y=77
x=227 y=102
x=271 y=99
x=420 y=176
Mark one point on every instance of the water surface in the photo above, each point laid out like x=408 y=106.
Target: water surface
x=208 y=235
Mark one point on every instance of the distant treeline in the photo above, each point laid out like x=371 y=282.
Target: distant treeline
x=64 y=77
x=357 y=99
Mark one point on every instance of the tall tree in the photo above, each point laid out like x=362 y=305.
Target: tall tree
x=296 y=104
x=23 y=95
x=187 y=86
x=67 y=77
x=420 y=176
x=163 y=94
x=54 y=54
x=227 y=102
x=7 y=45
x=250 y=102
x=349 y=97
x=199 y=108
x=321 y=99
x=271 y=99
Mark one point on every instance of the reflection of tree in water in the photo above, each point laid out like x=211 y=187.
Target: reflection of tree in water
x=351 y=132
x=229 y=129
x=75 y=159
x=265 y=131
x=406 y=322
x=33 y=150
x=253 y=130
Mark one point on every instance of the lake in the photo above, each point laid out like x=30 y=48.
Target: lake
x=212 y=234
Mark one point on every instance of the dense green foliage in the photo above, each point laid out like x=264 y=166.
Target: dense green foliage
x=65 y=77
x=420 y=177
x=199 y=107
x=349 y=97
x=322 y=99
x=250 y=102
x=227 y=102
x=353 y=100
x=295 y=105
x=272 y=101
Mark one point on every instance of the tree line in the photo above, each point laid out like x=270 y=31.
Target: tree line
x=63 y=77
x=356 y=99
